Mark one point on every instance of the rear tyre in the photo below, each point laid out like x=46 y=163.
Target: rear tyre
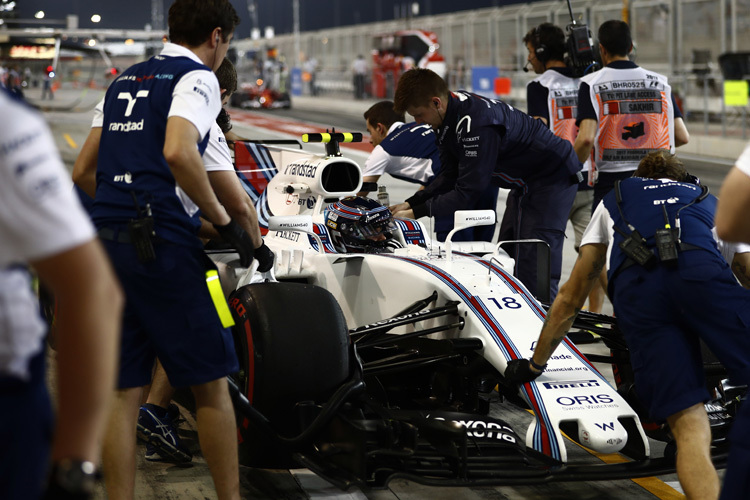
x=293 y=346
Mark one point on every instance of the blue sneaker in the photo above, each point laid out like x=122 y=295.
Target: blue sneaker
x=158 y=428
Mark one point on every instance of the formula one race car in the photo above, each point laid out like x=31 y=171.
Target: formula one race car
x=259 y=95
x=368 y=366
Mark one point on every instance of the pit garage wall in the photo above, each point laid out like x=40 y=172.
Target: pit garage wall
x=666 y=33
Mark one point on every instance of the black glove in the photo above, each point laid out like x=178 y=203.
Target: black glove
x=518 y=372
x=233 y=234
x=265 y=257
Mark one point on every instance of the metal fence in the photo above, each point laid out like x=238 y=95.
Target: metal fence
x=680 y=38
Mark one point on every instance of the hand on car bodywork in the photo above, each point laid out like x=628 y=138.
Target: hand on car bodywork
x=233 y=234
x=399 y=207
x=520 y=371
x=402 y=211
x=265 y=257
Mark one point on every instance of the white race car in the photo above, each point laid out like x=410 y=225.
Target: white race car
x=367 y=366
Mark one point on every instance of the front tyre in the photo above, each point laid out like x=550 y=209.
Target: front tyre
x=293 y=346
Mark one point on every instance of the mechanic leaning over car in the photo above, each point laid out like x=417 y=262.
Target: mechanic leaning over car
x=42 y=224
x=552 y=97
x=486 y=141
x=151 y=186
x=409 y=152
x=624 y=111
x=670 y=288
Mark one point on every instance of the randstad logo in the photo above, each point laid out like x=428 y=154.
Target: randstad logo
x=125 y=126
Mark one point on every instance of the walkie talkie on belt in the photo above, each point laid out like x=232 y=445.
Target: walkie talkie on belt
x=141 y=230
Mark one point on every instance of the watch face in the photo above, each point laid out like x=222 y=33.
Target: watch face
x=75 y=476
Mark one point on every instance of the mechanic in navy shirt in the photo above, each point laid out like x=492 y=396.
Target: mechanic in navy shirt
x=624 y=111
x=42 y=224
x=485 y=141
x=664 y=310
x=151 y=187
x=409 y=152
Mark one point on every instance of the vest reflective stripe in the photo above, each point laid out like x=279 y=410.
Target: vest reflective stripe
x=562 y=108
x=562 y=103
x=635 y=114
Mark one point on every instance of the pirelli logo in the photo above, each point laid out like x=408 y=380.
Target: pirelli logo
x=571 y=384
x=631 y=107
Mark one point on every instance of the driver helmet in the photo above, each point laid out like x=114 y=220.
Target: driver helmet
x=360 y=225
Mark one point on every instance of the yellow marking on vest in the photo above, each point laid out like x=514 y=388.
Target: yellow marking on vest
x=217 y=295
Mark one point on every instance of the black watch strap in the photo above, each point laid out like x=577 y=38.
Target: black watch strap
x=73 y=478
x=541 y=368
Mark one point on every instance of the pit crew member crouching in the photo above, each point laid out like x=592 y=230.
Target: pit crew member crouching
x=666 y=301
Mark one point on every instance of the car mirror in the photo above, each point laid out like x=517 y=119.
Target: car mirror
x=464 y=219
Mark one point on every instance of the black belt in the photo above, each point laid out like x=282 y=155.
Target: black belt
x=120 y=235
x=683 y=247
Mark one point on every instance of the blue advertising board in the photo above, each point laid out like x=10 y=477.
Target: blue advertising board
x=483 y=80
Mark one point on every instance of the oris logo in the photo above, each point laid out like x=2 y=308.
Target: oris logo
x=584 y=400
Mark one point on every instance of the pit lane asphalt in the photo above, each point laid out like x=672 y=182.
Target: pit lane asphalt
x=167 y=482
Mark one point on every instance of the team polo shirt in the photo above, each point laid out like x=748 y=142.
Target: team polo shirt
x=408 y=152
x=131 y=162
x=743 y=162
x=635 y=111
x=642 y=201
x=217 y=156
x=40 y=216
x=485 y=141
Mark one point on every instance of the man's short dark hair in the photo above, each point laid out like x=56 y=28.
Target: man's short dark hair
x=192 y=21
x=661 y=165
x=383 y=112
x=615 y=36
x=416 y=87
x=227 y=76
x=548 y=37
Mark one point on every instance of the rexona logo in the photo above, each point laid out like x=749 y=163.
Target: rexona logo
x=480 y=429
x=571 y=384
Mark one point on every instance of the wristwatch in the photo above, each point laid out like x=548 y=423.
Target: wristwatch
x=74 y=476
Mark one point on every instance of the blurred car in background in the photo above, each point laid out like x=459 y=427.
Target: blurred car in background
x=259 y=95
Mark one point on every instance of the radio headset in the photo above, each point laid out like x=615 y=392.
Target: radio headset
x=541 y=51
x=667 y=239
x=580 y=47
